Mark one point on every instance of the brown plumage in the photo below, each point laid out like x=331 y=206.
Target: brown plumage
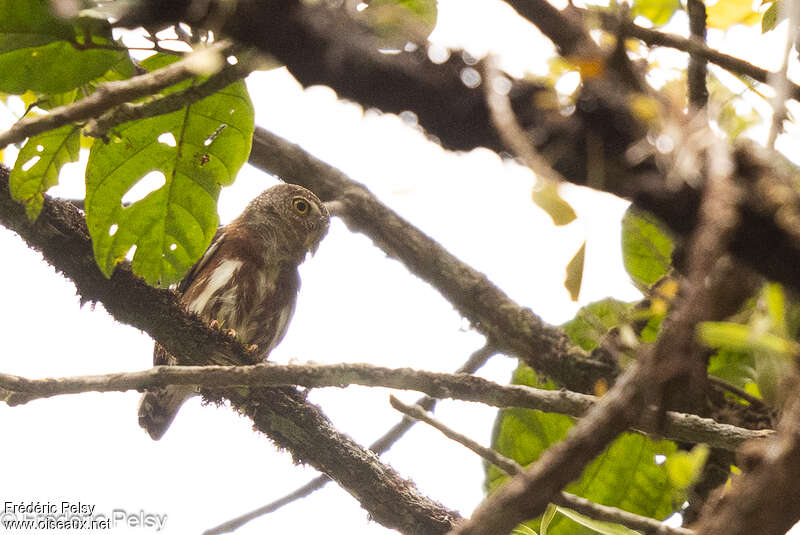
x=246 y=281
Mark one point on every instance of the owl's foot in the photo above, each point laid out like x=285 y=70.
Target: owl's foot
x=231 y=333
x=252 y=348
x=213 y=324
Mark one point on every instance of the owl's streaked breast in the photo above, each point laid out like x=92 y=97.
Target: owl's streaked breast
x=256 y=303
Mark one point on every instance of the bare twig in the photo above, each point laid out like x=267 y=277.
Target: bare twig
x=565 y=499
x=613 y=22
x=736 y=391
x=512 y=134
x=381 y=445
x=779 y=80
x=681 y=427
x=105 y=97
x=99 y=127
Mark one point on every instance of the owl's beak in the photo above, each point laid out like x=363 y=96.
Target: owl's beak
x=335 y=208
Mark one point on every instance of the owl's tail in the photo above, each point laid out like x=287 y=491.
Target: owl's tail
x=158 y=408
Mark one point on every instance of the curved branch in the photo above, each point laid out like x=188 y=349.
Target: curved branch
x=513 y=329
x=281 y=413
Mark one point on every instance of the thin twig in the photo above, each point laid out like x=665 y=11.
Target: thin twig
x=736 y=391
x=107 y=96
x=505 y=122
x=476 y=360
x=779 y=80
x=680 y=427
x=511 y=467
x=612 y=22
x=127 y=111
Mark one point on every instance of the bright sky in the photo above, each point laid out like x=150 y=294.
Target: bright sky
x=356 y=305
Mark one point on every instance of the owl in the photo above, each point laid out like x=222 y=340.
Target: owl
x=247 y=282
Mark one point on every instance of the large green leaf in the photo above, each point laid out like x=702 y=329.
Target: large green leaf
x=197 y=150
x=625 y=475
x=38 y=164
x=42 y=53
x=646 y=248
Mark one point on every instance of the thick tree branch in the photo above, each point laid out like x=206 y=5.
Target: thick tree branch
x=513 y=329
x=646 y=384
x=380 y=446
x=564 y=499
x=600 y=144
x=60 y=235
x=677 y=426
x=698 y=65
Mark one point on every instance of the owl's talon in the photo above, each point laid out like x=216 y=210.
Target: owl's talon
x=231 y=333
x=252 y=348
x=213 y=324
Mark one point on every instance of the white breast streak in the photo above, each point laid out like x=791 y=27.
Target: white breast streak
x=222 y=274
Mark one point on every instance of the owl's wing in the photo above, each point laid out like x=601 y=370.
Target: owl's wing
x=161 y=356
x=188 y=279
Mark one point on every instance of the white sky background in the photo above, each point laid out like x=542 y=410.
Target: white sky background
x=356 y=305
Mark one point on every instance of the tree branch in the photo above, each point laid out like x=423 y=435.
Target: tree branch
x=565 y=499
x=106 y=96
x=698 y=65
x=679 y=427
x=128 y=111
x=765 y=498
x=644 y=384
x=60 y=235
x=380 y=446
x=513 y=329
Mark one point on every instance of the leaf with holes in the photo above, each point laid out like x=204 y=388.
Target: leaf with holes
x=42 y=53
x=38 y=164
x=154 y=186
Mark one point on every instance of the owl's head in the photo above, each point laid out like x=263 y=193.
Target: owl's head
x=290 y=216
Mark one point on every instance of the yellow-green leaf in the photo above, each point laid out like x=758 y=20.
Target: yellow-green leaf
x=726 y=13
x=575 y=273
x=548 y=199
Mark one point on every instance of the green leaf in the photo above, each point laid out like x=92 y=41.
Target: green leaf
x=397 y=22
x=197 y=150
x=549 y=199
x=575 y=273
x=734 y=366
x=770 y=17
x=685 y=467
x=38 y=164
x=593 y=321
x=718 y=334
x=646 y=247
x=725 y=13
x=39 y=52
x=625 y=475
x=658 y=11
x=597 y=526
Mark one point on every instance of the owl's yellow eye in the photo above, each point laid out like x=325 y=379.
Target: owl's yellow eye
x=300 y=205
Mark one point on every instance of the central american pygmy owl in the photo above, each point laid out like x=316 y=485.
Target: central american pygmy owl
x=247 y=281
